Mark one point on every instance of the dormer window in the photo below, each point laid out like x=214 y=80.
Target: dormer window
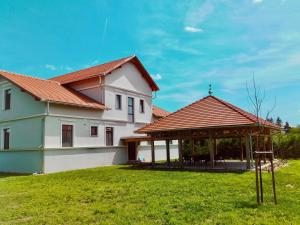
x=7 y=99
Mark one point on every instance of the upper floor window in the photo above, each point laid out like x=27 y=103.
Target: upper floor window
x=142 y=107
x=94 y=131
x=67 y=135
x=6 y=136
x=118 y=102
x=109 y=136
x=7 y=99
x=130 y=109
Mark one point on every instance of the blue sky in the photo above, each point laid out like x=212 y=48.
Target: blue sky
x=185 y=45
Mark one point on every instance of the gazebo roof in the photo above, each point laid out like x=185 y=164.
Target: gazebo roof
x=209 y=112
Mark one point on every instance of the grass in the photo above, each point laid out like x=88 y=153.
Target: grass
x=120 y=195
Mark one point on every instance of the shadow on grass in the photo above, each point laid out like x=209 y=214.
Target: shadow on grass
x=178 y=169
x=246 y=204
x=5 y=175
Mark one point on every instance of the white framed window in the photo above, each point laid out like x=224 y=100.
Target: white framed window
x=67 y=135
x=118 y=102
x=109 y=136
x=7 y=99
x=5 y=138
x=142 y=106
x=131 y=109
x=94 y=131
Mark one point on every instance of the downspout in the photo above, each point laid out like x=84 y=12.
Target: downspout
x=43 y=135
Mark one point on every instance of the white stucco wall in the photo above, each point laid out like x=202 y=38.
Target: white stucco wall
x=22 y=104
x=128 y=77
x=144 y=152
x=70 y=159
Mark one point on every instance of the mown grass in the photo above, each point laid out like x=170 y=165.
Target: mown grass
x=119 y=195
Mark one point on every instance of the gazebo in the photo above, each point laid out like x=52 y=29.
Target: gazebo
x=211 y=118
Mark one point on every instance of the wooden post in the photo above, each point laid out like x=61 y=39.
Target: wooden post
x=180 y=153
x=257 y=184
x=211 y=149
x=215 y=146
x=152 y=152
x=260 y=180
x=168 y=151
x=273 y=180
x=248 y=151
x=241 y=150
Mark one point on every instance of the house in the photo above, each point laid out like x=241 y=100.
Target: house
x=77 y=120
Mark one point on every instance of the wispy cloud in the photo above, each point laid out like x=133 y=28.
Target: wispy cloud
x=156 y=76
x=61 y=67
x=198 y=14
x=50 y=67
x=192 y=29
x=257 y=1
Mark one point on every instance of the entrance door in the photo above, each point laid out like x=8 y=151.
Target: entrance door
x=131 y=151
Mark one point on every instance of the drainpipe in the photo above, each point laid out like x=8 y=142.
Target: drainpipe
x=43 y=134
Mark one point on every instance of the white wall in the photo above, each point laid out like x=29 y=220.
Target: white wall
x=81 y=130
x=128 y=77
x=70 y=159
x=144 y=152
x=22 y=104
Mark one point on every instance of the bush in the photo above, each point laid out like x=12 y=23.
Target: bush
x=287 y=145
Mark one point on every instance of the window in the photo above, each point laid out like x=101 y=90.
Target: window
x=109 y=136
x=94 y=131
x=6 y=133
x=142 y=108
x=7 y=99
x=67 y=135
x=130 y=109
x=118 y=102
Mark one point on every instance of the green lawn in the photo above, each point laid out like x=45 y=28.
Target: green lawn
x=119 y=195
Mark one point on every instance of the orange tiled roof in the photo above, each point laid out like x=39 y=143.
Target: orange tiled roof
x=52 y=91
x=207 y=112
x=105 y=69
x=158 y=112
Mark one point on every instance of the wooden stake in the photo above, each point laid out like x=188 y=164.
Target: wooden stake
x=260 y=179
x=257 y=184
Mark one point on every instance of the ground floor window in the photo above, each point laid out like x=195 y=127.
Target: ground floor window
x=67 y=135
x=94 y=131
x=6 y=136
x=109 y=136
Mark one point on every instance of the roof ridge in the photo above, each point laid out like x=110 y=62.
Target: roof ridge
x=235 y=108
x=29 y=76
x=124 y=58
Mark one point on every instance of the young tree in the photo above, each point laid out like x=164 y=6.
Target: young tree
x=279 y=121
x=287 y=127
x=271 y=120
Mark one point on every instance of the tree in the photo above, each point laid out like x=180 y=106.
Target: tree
x=279 y=121
x=271 y=120
x=287 y=127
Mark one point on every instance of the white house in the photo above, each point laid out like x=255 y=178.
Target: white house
x=76 y=120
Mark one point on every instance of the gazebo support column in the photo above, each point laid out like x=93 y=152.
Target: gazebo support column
x=211 y=149
x=248 y=154
x=152 y=153
x=241 y=150
x=168 y=151
x=180 y=151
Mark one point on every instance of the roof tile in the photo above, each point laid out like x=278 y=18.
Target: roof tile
x=207 y=112
x=52 y=91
